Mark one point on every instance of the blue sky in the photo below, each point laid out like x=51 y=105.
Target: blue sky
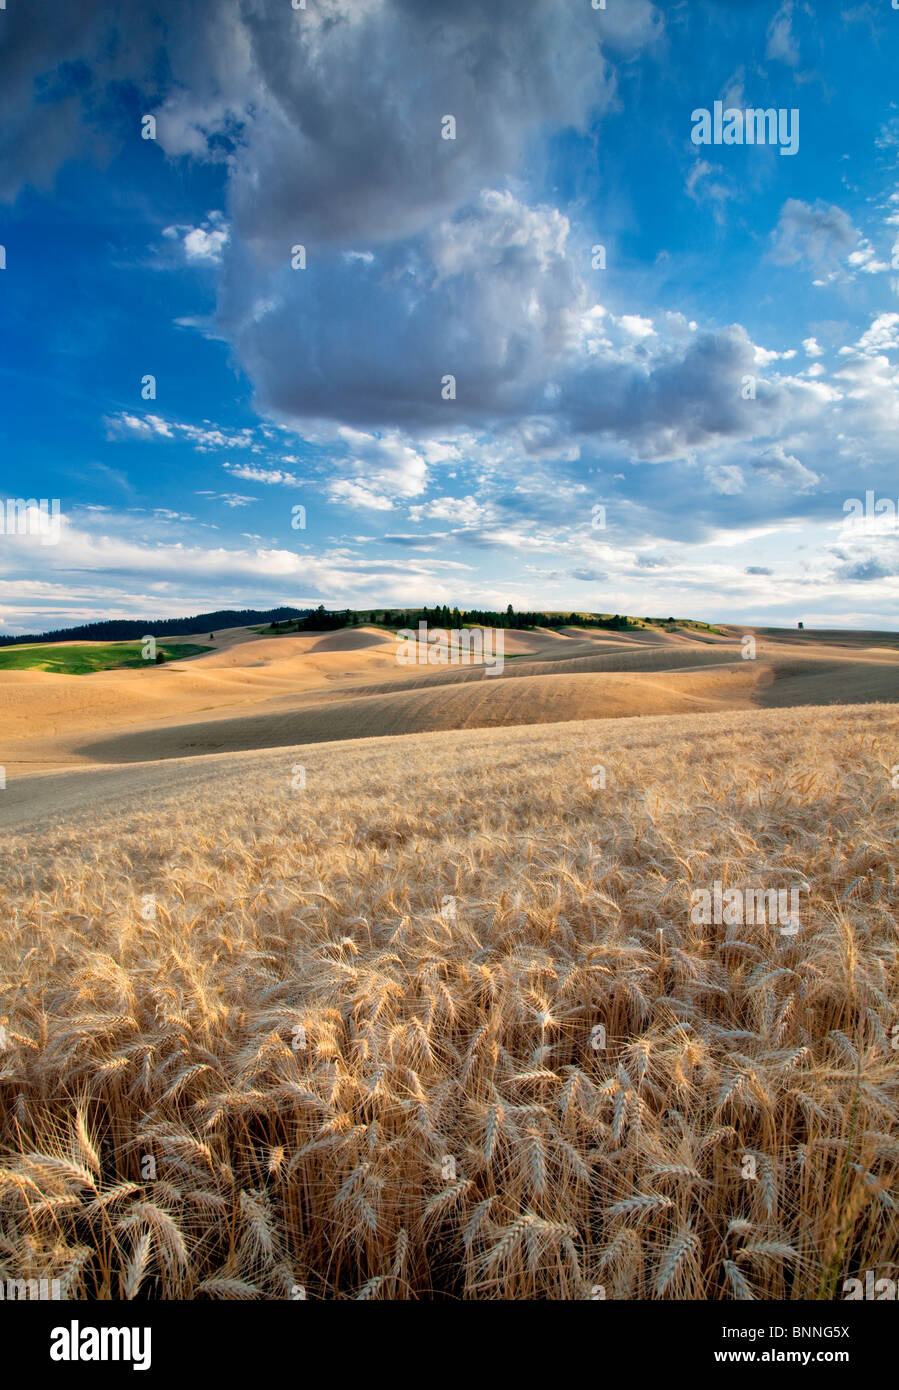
x=721 y=388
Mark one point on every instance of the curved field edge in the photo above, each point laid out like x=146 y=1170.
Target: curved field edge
x=428 y=1017
x=83 y=658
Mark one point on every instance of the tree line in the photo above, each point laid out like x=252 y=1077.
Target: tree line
x=286 y=619
x=442 y=616
x=121 y=629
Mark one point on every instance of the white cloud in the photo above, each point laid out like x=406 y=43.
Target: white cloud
x=461 y=511
x=819 y=234
x=870 y=386
x=146 y=426
x=204 y=243
x=635 y=326
x=763 y=357
x=864 y=258
x=702 y=186
x=356 y=494
x=270 y=476
x=784 y=469
x=726 y=479
x=782 y=45
x=882 y=336
x=204 y=437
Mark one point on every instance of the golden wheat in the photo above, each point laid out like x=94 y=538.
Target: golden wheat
x=441 y=1025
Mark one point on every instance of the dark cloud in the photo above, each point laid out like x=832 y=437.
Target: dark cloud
x=330 y=119
x=686 y=395
x=495 y=298
x=589 y=576
x=330 y=116
x=864 y=571
x=326 y=126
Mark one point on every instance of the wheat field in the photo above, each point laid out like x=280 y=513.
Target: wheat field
x=437 y=1023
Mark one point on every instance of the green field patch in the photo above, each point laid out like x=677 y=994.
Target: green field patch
x=80 y=659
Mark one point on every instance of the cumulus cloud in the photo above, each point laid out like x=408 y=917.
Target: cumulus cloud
x=864 y=571
x=357 y=494
x=489 y=297
x=201 y=244
x=725 y=478
x=679 y=395
x=869 y=385
x=376 y=470
x=461 y=511
x=882 y=336
x=498 y=299
x=325 y=136
x=429 y=259
x=783 y=469
x=450 y=275
x=819 y=235
x=864 y=259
